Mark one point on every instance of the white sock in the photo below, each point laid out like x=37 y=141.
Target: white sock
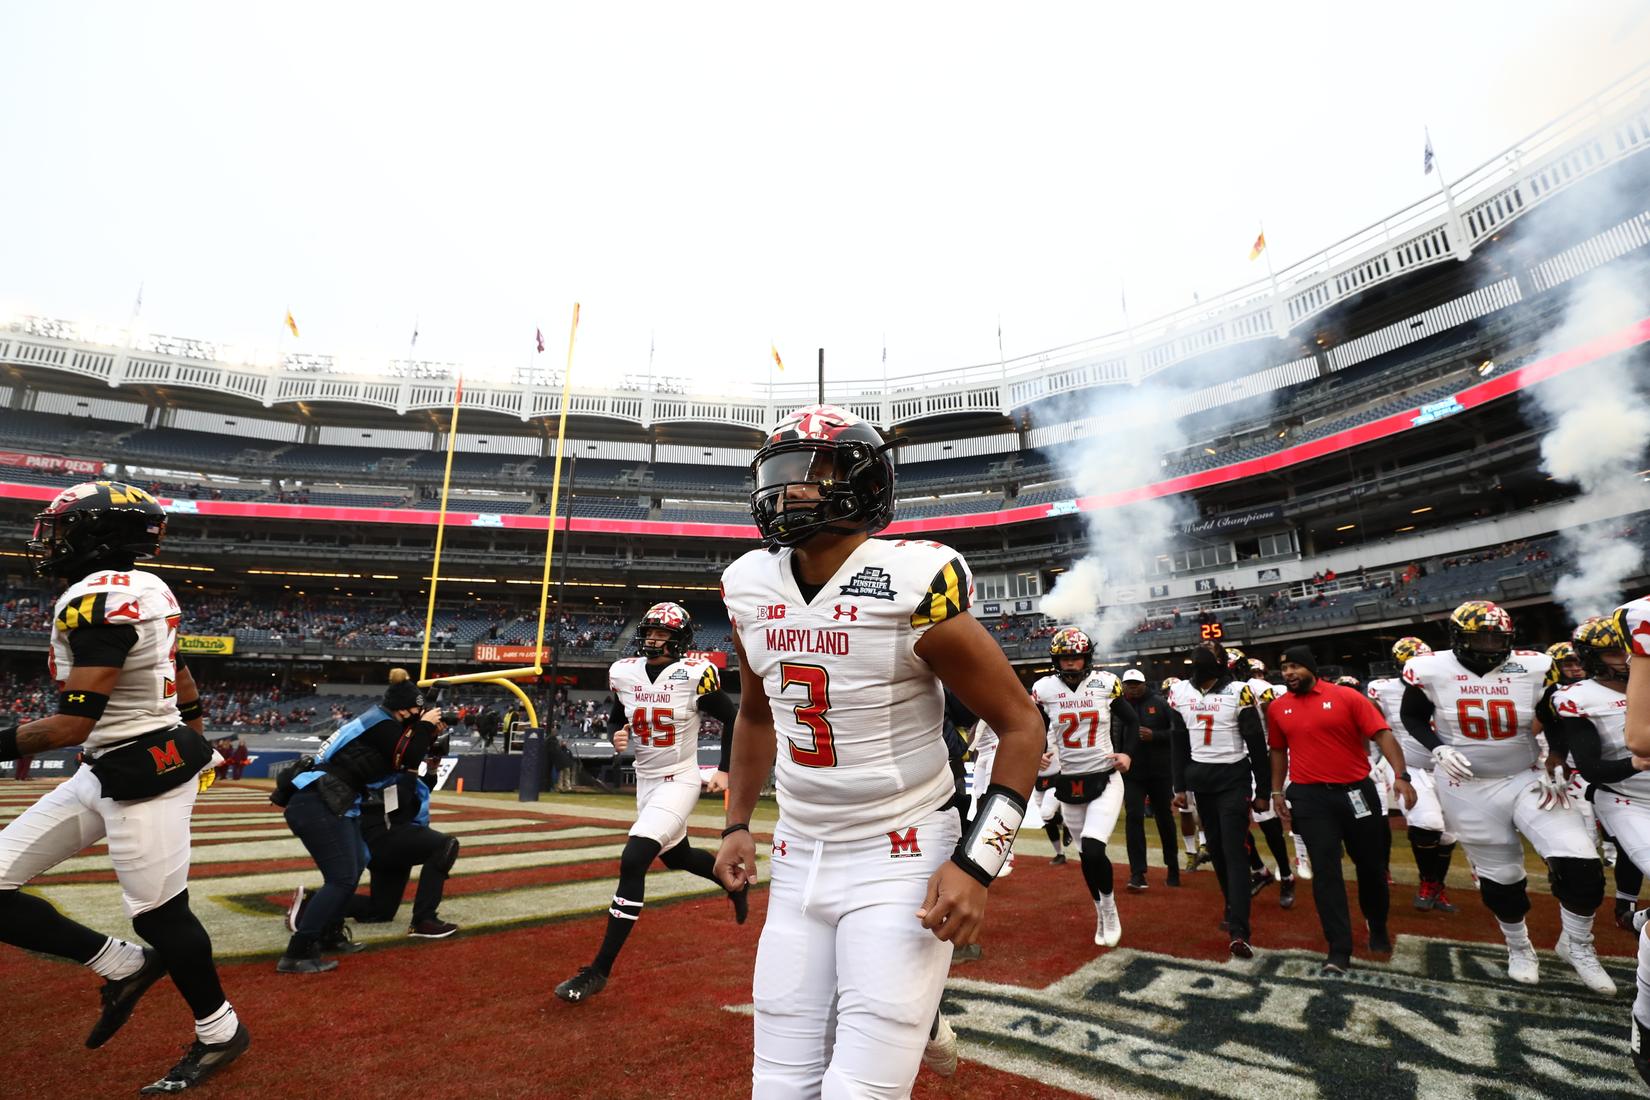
x=1641 y=1003
x=1201 y=839
x=219 y=1027
x=1191 y=845
x=117 y=959
x=1633 y=898
x=1579 y=928
x=1516 y=935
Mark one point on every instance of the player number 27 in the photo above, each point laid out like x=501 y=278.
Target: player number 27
x=1487 y=720
x=657 y=728
x=1071 y=720
x=811 y=713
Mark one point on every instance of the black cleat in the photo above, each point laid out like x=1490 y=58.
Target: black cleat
x=1260 y=880
x=741 y=899
x=121 y=995
x=1203 y=858
x=1059 y=860
x=201 y=1062
x=582 y=986
x=1624 y=915
x=1286 y=893
x=1639 y=1043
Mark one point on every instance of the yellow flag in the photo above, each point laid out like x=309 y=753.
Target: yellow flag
x=292 y=326
x=778 y=362
x=1260 y=246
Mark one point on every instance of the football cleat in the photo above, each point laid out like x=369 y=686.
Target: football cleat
x=1426 y=896
x=582 y=986
x=1109 y=932
x=1260 y=880
x=1583 y=959
x=1441 y=902
x=1286 y=893
x=1303 y=865
x=201 y=1061
x=121 y=995
x=1240 y=949
x=1059 y=860
x=1624 y=915
x=940 y=1054
x=1639 y=1043
x=1522 y=964
x=1203 y=857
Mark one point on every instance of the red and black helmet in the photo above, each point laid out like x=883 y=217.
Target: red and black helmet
x=822 y=469
x=96 y=525
x=672 y=618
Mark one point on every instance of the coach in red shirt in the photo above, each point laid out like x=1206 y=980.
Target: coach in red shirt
x=1319 y=735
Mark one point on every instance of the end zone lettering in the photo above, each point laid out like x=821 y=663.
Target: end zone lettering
x=796 y=640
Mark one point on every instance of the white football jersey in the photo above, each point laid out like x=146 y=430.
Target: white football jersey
x=1212 y=720
x=859 y=715
x=1079 y=719
x=1489 y=718
x=1263 y=692
x=1607 y=711
x=1387 y=693
x=1051 y=747
x=145 y=697
x=663 y=713
x=985 y=739
x=1633 y=620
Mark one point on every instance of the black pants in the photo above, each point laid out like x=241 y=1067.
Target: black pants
x=1222 y=792
x=1324 y=817
x=394 y=855
x=335 y=844
x=1137 y=785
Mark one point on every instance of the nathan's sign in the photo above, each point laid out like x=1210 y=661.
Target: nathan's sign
x=206 y=644
x=50 y=462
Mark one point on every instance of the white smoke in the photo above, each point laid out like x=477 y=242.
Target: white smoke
x=1599 y=422
x=1133 y=429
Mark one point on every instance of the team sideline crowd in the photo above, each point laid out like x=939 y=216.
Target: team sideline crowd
x=864 y=682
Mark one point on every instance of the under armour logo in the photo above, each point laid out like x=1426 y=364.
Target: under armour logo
x=77 y=698
x=846 y=611
x=779 y=847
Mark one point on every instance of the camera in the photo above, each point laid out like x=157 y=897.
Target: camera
x=450 y=718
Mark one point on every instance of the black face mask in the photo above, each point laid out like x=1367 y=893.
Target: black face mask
x=1205 y=665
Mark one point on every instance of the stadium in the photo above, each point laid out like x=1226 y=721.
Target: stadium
x=1339 y=453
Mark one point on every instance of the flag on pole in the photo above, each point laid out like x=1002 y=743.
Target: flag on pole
x=415 y=334
x=538 y=336
x=137 y=307
x=292 y=326
x=778 y=362
x=1426 y=156
x=1259 y=246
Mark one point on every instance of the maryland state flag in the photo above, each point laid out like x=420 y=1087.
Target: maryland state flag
x=948 y=594
x=292 y=326
x=1259 y=246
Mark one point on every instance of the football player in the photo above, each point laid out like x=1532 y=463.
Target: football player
x=1191 y=830
x=1432 y=844
x=844 y=642
x=136 y=714
x=1095 y=729
x=1271 y=828
x=1222 y=761
x=1473 y=709
x=1632 y=625
x=658 y=696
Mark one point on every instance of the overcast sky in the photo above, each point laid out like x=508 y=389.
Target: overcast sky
x=710 y=177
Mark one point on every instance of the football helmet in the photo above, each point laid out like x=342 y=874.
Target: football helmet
x=1567 y=661
x=96 y=525
x=1592 y=639
x=1169 y=682
x=1071 y=642
x=822 y=469
x=674 y=620
x=1236 y=660
x=1481 y=635
x=1405 y=648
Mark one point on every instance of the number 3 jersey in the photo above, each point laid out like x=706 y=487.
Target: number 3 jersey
x=1486 y=718
x=1079 y=720
x=663 y=712
x=858 y=715
x=145 y=697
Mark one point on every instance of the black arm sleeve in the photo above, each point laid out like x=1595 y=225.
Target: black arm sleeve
x=720 y=707
x=1583 y=740
x=1125 y=728
x=616 y=716
x=1180 y=754
x=1260 y=761
x=1550 y=723
x=415 y=748
x=102 y=646
x=1416 y=713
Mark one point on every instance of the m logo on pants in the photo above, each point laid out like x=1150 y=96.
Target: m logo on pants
x=904 y=845
x=167 y=758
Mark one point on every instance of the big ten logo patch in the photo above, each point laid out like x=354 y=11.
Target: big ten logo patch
x=1441 y=1020
x=769 y=611
x=903 y=845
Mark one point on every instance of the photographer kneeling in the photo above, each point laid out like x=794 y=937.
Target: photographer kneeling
x=392 y=737
x=395 y=824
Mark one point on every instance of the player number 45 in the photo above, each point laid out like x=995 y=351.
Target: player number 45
x=811 y=714
x=656 y=728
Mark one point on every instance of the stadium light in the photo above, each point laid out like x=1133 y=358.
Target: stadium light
x=1419 y=511
x=1486 y=368
x=1401 y=530
x=1346 y=527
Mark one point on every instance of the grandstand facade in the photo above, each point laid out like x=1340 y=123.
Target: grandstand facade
x=1358 y=436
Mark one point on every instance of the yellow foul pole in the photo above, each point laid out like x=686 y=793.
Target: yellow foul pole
x=440 y=529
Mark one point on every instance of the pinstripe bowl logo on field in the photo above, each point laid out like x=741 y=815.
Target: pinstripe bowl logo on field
x=1441 y=1020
